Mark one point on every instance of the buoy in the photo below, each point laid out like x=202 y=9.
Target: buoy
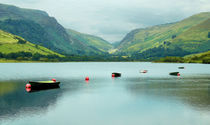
x=178 y=74
x=113 y=75
x=54 y=80
x=87 y=78
x=28 y=85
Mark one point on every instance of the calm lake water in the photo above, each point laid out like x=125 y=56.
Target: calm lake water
x=153 y=98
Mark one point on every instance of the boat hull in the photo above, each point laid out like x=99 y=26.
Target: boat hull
x=43 y=85
x=114 y=74
x=174 y=73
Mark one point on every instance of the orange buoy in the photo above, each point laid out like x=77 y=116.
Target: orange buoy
x=28 y=85
x=87 y=78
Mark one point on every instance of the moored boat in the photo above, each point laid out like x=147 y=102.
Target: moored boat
x=143 y=71
x=181 y=67
x=43 y=84
x=115 y=74
x=174 y=73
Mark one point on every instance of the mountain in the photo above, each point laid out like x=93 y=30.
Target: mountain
x=12 y=46
x=91 y=42
x=39 y=28
x=194 y=40
x=189 y=36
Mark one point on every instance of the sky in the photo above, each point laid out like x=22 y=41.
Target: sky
x=113 y=19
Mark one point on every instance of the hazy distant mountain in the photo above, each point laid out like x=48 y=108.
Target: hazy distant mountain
x=90 y=42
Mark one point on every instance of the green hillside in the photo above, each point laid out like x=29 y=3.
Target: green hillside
x=164 y=35
x=15 y=46
x=35 y=26
x=196 y=39
x=90 y=41
x=39 y=28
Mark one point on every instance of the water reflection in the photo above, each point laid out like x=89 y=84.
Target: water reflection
x=193 y=91
x=135 y=98
x=15 y=99
x=41 y=89
x=7 y=87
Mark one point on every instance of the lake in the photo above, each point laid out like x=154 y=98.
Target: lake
x=153 y=98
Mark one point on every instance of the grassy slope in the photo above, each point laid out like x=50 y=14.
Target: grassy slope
x=143 y=39
x=195 y=39
x=9 y=44
x=90 y=40
x=35 y=26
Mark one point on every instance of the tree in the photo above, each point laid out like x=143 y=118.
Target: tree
x=21 y=41
x=1 y=55
x=36 y=56
x=208 y=34
x=173 y=36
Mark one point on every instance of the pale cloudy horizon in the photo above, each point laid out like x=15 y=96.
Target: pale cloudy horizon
x=113 y=19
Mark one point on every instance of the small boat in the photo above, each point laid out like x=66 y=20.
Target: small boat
x=43 y=84
x=143 y=71
x=181 y=67
x=115 y=74
x=174 y=73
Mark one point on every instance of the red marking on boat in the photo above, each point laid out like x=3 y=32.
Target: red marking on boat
x=54 y=80
x=178 y=74
x=113 y=75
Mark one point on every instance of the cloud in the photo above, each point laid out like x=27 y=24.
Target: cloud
x=113 y=19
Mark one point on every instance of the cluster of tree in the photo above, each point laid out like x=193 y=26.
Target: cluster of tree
x=55 y=58
x=172 y=59
x=28 y=56
x=158 y=52
x=20 y=40
x=206 y=60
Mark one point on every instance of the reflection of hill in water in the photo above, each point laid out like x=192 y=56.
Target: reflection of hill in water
x=14 y=99
x=193 y=91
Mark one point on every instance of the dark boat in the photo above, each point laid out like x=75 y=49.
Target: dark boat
x=115 y=74
x=174 y=73
x=181 y=67
x=43 y=84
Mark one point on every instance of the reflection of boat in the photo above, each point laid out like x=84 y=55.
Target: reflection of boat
x=43 y=84
x=174 y=73
x=115 y=74
x=181 y=67
x=41 y=88
x=143 y=71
